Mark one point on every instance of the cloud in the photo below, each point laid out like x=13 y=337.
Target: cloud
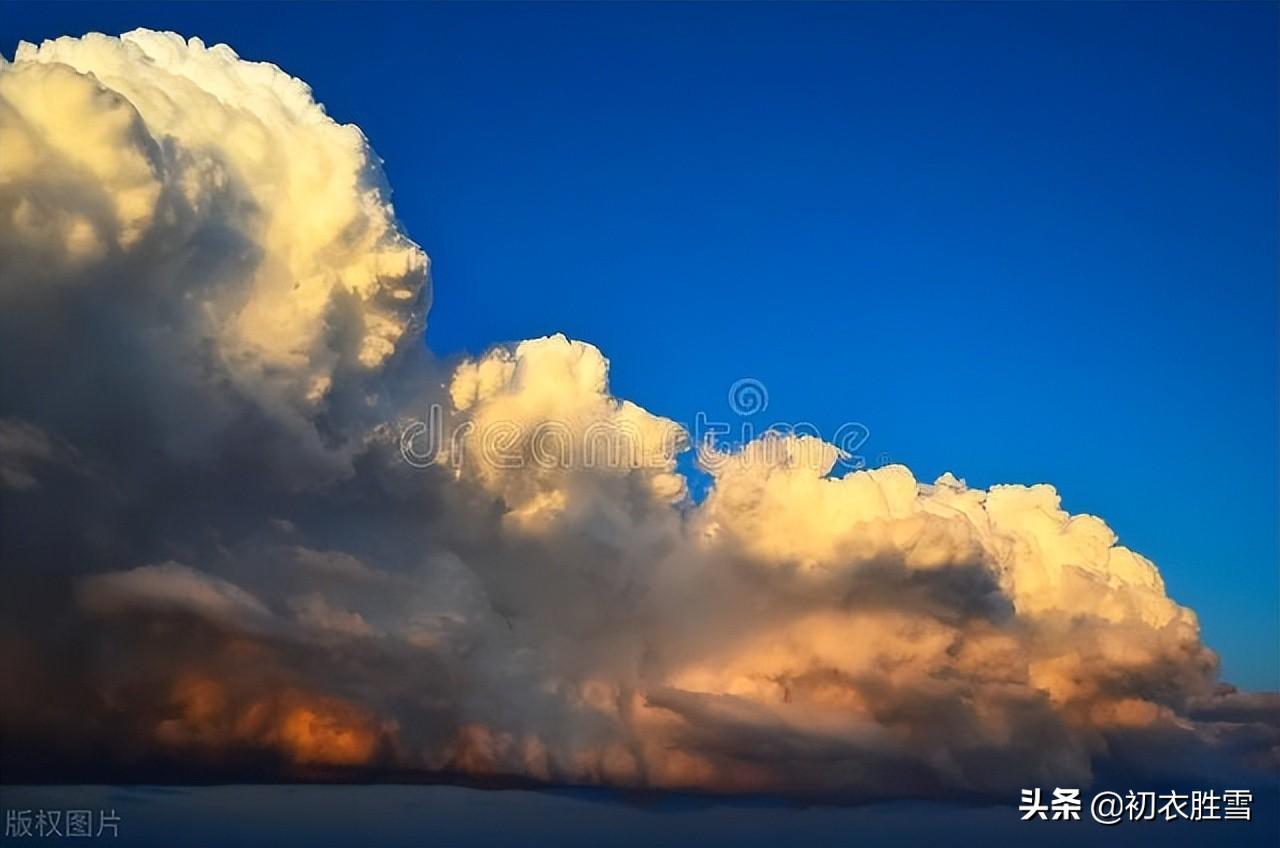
x=211 y=324
x=314 y=611
x=199 y=235
x=539 y=421
x=170 y=585
x=25 y=448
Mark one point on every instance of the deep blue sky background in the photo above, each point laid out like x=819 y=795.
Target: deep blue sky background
x=1023 y=243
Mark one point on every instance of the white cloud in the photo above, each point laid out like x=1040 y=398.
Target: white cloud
x=209 y=215
x=541 y=431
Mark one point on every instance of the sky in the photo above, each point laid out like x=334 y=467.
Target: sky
x=1020 y=243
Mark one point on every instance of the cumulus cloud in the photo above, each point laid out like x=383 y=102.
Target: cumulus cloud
x=212 y=329
x=194 y=231
x=543 y=410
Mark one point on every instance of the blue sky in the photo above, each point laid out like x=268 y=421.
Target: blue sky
x=1024 y=243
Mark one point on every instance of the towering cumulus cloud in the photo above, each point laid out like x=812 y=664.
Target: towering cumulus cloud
x=227 y=552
